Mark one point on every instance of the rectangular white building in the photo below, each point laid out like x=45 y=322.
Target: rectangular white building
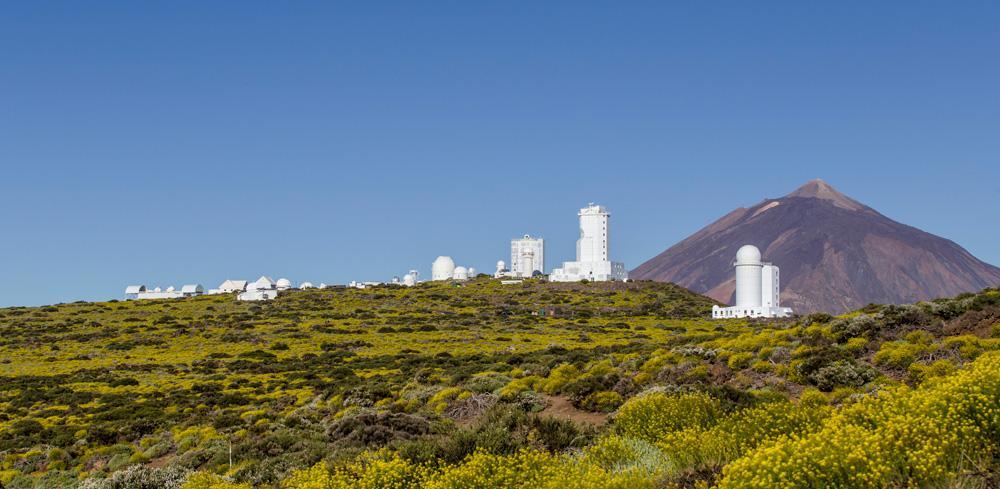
x=527 y=256
x=139 y=292
x=592 y=251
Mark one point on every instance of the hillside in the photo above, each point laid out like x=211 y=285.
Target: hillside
x=480 y=385
x=835 y=254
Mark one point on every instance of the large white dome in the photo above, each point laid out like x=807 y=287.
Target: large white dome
x=443 y=268
x=748 y=255
x=283 y=283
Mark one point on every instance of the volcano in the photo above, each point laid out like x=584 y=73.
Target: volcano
x=835 y=255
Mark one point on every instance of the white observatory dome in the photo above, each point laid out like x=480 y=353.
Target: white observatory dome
x=748 y=255
x=322 y=285
x=283 y=283
x=409 y=280
x=472 y=272
x=460 y=273
x=306 y=285
x=501 y=265
x=443 y=268
x=171 y=289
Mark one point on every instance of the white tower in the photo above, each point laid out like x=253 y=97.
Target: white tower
x=748 y=277
x=527 y=255
x=593 y=243
x=769 y=286
x=442 y=268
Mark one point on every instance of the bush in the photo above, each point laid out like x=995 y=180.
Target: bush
x=651 y=416
x=902 y=437
x=604 y=401
x=140 y=477
x=842 y=373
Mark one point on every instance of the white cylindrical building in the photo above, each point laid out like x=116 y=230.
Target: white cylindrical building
x=748 y=277
x=443 y=268
x=460 y=273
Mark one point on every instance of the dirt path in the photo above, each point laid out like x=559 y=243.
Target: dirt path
x=561 y=407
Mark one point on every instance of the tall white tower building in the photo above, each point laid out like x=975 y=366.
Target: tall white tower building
x=527 y=256
x=592 y=251
x=757 y=289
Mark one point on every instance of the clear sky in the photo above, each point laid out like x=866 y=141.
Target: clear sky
x=198 y=141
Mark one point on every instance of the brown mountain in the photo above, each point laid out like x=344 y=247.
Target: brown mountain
x=835 y=254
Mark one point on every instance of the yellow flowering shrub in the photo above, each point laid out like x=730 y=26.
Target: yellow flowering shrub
x=204 y=480
x=899 y=437
x=651 y=416
x=367 y=472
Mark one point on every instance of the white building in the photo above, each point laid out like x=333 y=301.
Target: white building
x=443 y=268
x=261 y=290
x=139 y=292
x=230 y=286
x=592 y=251
x=460 y=273
x=410 y=279
x=527 y=256
x=501 y=270
x=757 y=289
x=283 y=284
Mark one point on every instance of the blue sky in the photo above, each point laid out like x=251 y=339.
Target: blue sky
x=198 y=141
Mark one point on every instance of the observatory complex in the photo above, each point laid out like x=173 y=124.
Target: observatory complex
x=757 y=289
x=592 y=252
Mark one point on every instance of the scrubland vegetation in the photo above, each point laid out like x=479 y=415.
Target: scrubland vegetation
x=484 y=385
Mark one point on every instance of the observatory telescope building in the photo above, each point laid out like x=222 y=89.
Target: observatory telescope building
x=527 y=256
x=757 y=289
x=592 y=251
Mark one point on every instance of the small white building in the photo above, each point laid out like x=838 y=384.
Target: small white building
x=460 y=273
x=283 y=284
x=262 y=290
x=191 y=290
x=140 y=292
x=757 y=289
x=527 y=256
x=593 y=253
x=410 y=279
x=230 y=286
x=132 y=291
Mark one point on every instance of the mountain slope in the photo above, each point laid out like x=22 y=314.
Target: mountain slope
x=835 y=254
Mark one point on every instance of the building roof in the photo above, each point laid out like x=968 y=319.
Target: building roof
x=264 y=282
x=233 y=285
x=135 y=289
x=192 y=289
